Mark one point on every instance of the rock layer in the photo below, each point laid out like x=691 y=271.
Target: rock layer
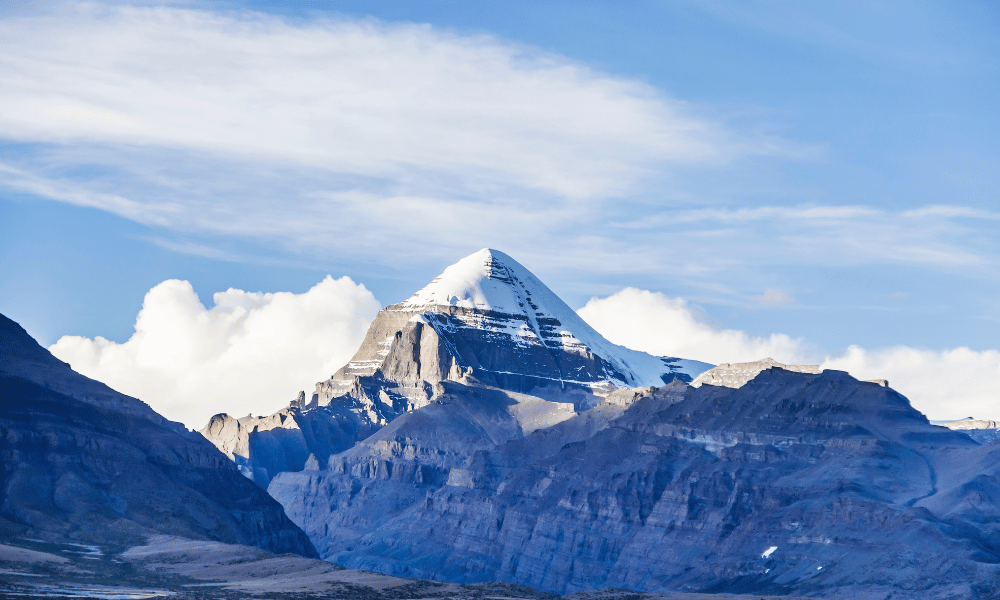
x=486 y=321
x=983 y=431
x=801 y=483
x=84 y=463
x=738 y=374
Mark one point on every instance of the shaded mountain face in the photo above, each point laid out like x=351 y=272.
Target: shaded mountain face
x=794 y=483
x=82 y=462
x=23 y=357
x=485 y=321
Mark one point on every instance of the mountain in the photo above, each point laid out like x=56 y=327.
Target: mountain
x=484 y=433
x=485 y=321
x=86 y=464
x=793 y=483
x=490 y=317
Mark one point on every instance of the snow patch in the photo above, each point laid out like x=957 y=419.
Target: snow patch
x=767 y=553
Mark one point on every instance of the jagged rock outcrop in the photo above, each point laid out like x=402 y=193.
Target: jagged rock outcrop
x=81 y=462
x=485 y=320
x=793 y=483
x=983 y=431
x=738 y=374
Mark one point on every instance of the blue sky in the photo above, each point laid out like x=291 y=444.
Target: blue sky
x=826 y=171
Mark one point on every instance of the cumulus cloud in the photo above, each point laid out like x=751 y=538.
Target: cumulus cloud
x=943 y=384
x=655 y=323
x=249 y=353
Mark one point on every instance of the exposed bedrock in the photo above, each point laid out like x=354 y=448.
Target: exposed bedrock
x=486 y=322
x=793 y=483
x=91 y=465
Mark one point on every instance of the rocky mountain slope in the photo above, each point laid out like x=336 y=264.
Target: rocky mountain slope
x=86 y=464
x=484 y=433
x=485 y=319
x=794 y=483
x=983 y=431
x=738 y=374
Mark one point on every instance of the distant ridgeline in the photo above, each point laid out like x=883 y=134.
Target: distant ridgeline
x=484 y=432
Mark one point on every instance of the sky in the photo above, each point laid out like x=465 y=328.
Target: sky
x=195 y=196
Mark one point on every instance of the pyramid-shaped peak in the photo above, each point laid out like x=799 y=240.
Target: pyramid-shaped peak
x=485 y=280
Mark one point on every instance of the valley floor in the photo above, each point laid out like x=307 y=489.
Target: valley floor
x=182 y=569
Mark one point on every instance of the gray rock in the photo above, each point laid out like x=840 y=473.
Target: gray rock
x=982 y=431
x=738 y=374
x=687 y=490
x=487 y=322
x=90 y=465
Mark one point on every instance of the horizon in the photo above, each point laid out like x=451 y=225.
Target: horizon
x=717 y=178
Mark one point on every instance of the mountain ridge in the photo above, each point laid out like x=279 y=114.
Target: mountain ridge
x=82 y=462
x=485 y=320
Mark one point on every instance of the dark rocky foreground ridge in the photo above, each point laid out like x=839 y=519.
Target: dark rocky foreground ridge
x=85 y=464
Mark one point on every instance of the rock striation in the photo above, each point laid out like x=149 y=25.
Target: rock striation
x=84 y=463
x=485 y=321
x=793 y=483
x=983 y=431
x=738 y=374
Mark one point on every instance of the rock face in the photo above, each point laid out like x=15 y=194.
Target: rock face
x=982 y=431
x=82 y=462
x=738 y=374
x=793 y=483
x=23 y=357
x=490 y=317
x=486 y=321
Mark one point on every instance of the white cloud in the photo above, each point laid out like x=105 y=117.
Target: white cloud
x=402 y=102
x=655 y=323
x=943 y=384
x=307 y=132
x=250 y=353
x=827 y=235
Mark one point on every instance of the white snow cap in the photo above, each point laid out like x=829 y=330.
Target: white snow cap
x=482 y=281
x=489 y=280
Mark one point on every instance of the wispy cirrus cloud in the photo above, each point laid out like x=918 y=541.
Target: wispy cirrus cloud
x=774 y=297
x=403 y=102
x=333 y=135
x=828 y=235
x=359 y=138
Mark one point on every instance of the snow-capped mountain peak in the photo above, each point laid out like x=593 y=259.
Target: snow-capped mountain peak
x=500 y=295
x=485 y=280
